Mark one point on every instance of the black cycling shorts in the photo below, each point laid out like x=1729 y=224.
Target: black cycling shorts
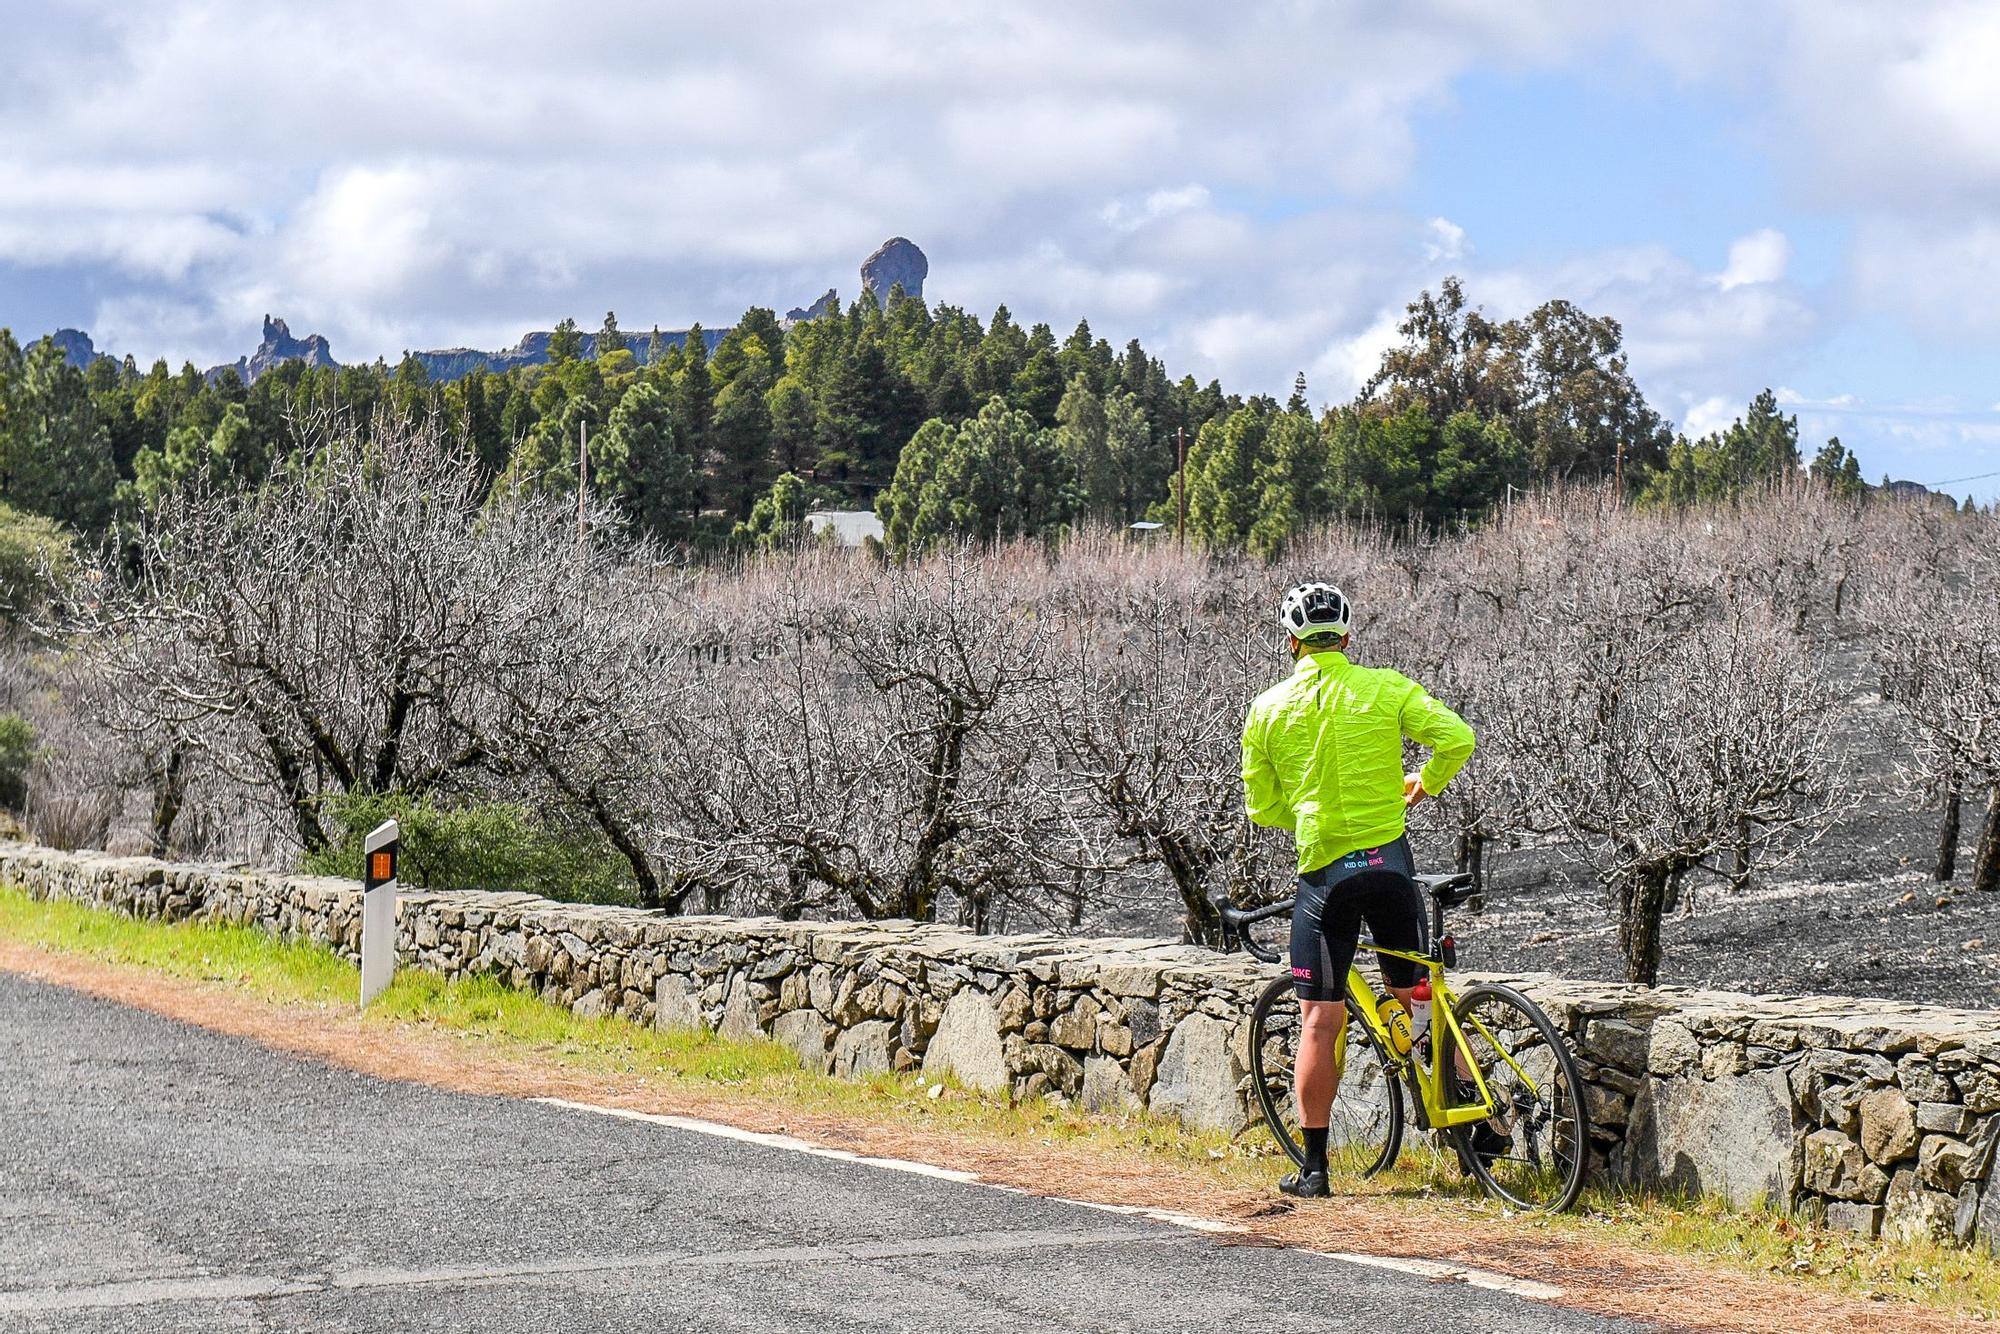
x=1369 y=884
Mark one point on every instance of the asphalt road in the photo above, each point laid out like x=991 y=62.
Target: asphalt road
x=159 y=1177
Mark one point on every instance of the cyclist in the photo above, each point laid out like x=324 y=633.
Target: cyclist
x=1323 y=757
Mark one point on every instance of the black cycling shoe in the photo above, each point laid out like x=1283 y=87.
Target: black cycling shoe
x=1305 y=1185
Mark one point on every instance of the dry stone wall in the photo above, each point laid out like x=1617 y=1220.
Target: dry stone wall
x=1872 y=1115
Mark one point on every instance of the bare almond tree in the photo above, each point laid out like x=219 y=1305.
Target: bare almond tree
x=877 y=754
x=1937 y=643
x=1156 y=660
x=1654 y=742
x=352 y=627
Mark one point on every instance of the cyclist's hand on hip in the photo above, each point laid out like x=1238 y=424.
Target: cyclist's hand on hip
x=1413 y=791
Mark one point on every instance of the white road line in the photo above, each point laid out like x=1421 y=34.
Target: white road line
x=1446 y=1272
x=248 y=1287
x=1438 y=1270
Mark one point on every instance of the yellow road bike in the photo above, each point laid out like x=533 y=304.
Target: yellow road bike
x=1488 y=1076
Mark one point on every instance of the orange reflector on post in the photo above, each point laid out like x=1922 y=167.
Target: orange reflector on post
x=383 y=867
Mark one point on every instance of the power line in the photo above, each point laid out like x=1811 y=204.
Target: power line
x=1954 y=481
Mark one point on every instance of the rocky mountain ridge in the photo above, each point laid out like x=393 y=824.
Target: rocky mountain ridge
x=896 y=262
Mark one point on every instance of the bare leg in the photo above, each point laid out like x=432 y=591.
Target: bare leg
x=1318 y=1075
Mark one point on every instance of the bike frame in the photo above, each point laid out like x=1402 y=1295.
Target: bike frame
x=1432 y=1109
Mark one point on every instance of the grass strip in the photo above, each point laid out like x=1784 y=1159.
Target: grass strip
x=1425 y=1187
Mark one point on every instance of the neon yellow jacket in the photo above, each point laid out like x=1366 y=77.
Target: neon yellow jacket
x=1323 y=754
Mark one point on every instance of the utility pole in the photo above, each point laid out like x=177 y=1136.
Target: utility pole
x=1619 y=473
x=1180 y=485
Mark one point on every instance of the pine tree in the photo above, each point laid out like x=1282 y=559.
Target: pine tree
x=565 y=344
x=1081 y=436
x=55 y=456
x=609 y=339
x=1224 y=470
x=1291 y=484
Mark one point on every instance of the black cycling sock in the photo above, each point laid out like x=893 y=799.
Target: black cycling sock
x=1315 y=1150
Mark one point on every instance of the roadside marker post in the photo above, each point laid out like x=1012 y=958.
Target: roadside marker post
x=378 y=907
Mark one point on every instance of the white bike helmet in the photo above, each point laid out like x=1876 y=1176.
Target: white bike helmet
x=1312 y=610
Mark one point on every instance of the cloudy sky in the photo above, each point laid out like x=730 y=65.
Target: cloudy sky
x=1803 y=194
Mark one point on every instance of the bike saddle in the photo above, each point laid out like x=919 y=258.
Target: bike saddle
x=1447 y=889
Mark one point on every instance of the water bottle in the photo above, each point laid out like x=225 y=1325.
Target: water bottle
x=1397 y=1021
x=1420 y=1009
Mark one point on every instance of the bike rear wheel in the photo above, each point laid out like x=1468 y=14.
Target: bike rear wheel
x=1535 y=1149
x=1365 y=1131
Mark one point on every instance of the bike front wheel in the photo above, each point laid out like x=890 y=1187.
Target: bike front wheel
x=1365 y=1131
x=1534 y=1150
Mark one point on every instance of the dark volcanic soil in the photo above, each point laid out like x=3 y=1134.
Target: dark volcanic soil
x=1855 y=914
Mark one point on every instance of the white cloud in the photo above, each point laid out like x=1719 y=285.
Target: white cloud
x=1220 y=182
x=1760 y=257
x=389 y=171
x=1351 y=362
x=1709 y=415
x=1447 y=241
x=1941 y=276
x=1124 y=215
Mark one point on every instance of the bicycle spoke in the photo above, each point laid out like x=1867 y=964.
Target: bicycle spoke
x=1532 y=1152
x=1366 y=1121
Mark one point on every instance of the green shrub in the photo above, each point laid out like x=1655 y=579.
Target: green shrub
x=493 y=845
x=17 y=751
x=35 y=560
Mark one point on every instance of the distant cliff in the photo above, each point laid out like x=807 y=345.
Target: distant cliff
x=896 y=262
x=278 y=348
x=77 y=349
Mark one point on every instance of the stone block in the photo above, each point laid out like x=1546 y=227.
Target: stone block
x=847 y=1008
x=1736 y=1137
x=1143 y=1067
x=1981 y=1225
x=1840 y=1105
x=1076 y=1027
x=1912 y=1213
x=967 y=1044
x=1114 y=1040
x=1944 y=1163
x=1922 y=1081
x=674 y=1004
x=1616 y=1043
x=739 y=1013
x=1671 y=1049
x=862 y=1050
x=1836 y=1167
x=1606 y=1106
x=1063 y=1072
x=1888 y=1126
x=773 y=966
x=1865 y=1219
x=1851 y=1066
x=1723 y=1060
x=809 y=1034
x=1015 y=1009
x=1106 y=1086
x=1981 y=1089
x=1945 y=1118
x=1137 y=980
x=1143 y=1018
x=1198 y=1076
x=795 y=992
